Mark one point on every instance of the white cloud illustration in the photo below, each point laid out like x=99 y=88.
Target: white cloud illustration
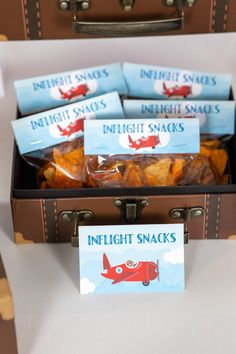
x=86 y=286
x=175 y=256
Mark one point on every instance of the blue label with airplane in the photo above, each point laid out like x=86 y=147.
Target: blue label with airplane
x=44 y=92
x=146 y=81
x=142 y=136
x=131 y=258
x=65 y=123
x=215 y=117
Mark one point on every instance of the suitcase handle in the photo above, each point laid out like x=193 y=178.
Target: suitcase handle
x=134 y=28
x=122 y=29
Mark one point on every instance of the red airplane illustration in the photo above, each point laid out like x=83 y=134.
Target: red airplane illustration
x=183 y=90
x=144 y=142
x=72 y=128
x=73 y=92
x=140 y=272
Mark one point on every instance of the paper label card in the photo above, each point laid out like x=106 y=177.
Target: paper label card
x=215 y=117
x=142 y=136
x=63 y=124
x=44 y=92
x=131 y=258
x=156 y=82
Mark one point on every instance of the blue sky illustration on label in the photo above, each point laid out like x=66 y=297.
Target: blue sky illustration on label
x=215 y=117
x=142 y=136
x=131 y=258
x=44 y=92
x=65 y=123
x=146 y=81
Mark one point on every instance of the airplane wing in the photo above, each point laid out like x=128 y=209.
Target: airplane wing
x=106 y=263
x=60 y=128
x=124 y=277
x=130 y=140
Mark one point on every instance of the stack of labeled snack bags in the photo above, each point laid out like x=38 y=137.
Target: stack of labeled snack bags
x=126 y=125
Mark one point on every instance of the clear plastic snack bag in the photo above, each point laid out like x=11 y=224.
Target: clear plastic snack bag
x=52 y=141
x=155 y=152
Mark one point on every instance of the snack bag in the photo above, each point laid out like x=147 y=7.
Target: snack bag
x=146 y=81
x=53 y=140
x=216 y=118
x=217 y=125
x=44 y=92
x=135 y=153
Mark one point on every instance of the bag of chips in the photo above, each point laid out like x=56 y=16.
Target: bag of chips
x=155 y=152
x=52 y=141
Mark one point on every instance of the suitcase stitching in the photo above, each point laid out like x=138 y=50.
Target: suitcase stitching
x=213 y=17
x=226 y=15
x=56 y=220
x=207 y=215
x=26 y=22
x=39 y=19
x=218 y=217
x=45 y=221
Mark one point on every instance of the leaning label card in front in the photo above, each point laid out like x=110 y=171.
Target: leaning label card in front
x=142 y=136
x=131 y=258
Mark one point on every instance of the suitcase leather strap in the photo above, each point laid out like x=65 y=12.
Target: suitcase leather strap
x=220 y=9
x=50 y=220
x=212 y=220
x=32 y=19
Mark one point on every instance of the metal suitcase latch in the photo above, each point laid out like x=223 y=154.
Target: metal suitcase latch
x=131 y=209
x=186 y=214
x=127 y=4
x=78 y=217
x=175 y=3
x=77 y=5
x=74 y=5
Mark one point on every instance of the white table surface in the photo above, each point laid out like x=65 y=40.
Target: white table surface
x=51 y=316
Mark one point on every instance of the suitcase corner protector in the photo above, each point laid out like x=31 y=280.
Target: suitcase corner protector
x=19 y=239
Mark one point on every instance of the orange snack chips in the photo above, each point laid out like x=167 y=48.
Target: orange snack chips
x=206 y=168
x=66 y=168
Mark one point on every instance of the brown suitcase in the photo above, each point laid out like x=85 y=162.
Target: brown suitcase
x=59 y=19
x=7 y=327
x=54 y=215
